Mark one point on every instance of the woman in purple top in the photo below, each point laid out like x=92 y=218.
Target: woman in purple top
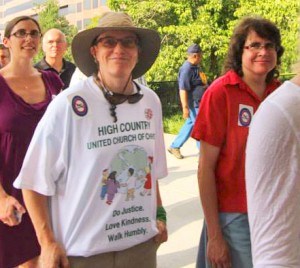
x=25 y=94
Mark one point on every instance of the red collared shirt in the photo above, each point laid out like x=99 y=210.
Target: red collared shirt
x=223 y=120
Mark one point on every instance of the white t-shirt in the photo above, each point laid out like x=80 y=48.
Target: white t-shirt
x=273 y=180
x=76 y=77
x=74 y=143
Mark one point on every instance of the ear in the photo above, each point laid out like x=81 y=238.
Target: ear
x=43 y=47
x=6 y=42
x=64 y=46
x=93 y=51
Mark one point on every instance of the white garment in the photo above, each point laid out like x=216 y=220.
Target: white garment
x=73 y=144
x=273 y=180
x=76 y=77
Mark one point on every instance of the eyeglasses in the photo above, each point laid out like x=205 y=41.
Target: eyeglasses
x=256 y=46
x=34 y=34
x=52 y=42
x=115 y=99
x=111 y=42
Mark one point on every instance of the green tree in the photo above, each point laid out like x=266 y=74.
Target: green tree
x=173 y=20
x=49 y=17
x=286 y=16
x=209 y=23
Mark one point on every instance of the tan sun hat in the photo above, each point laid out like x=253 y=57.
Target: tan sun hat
x=149 y=42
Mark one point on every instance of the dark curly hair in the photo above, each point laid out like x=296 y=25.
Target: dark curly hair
x=265 y=29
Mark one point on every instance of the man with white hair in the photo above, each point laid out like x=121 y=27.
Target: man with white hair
x=54 y=47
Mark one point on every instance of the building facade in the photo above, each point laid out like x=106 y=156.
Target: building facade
x=78 y=12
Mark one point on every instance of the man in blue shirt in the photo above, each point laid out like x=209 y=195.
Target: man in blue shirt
x=191 y=89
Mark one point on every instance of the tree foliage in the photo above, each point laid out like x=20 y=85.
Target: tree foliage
x=285 y=14
x=209 y=23
x=49 y=17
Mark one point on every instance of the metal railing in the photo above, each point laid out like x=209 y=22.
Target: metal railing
x=169 y=94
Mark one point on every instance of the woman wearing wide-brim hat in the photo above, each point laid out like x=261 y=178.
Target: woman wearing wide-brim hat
x=104 y=127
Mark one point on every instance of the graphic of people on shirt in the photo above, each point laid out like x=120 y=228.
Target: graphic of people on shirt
x=148 y=179
x=130 y=184
x=133 y=166
x=104 y=183
x=148 y=183
x=112 y=187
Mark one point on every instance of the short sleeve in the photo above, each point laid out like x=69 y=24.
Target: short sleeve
x=211 y=121
x=184 y=78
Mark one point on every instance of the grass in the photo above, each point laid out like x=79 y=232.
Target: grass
x=172 y=119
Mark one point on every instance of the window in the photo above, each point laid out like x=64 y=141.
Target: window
x=95 y=3
x=63 y=11
x=87 y=4
x=79 y=7
x=79 y=25
x=71 y=8
x=18 y=8
x=86 y=22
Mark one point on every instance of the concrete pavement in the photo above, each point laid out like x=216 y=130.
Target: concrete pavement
x=180 y=196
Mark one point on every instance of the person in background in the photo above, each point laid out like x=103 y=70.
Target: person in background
x=222 y=124
x=4 y=56
x=54 y=47
x=25 y=94
x=105 y=122
x=191 y=89
x=273 y=180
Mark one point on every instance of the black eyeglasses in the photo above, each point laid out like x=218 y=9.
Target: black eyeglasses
x=115 y=99
x=256 y=46
x=34 y=34
x=111 y=42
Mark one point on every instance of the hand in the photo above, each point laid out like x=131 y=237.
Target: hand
x=218 y=253
x=185 y=112
x=162 y=235
x=9 y=208
x=53 y=256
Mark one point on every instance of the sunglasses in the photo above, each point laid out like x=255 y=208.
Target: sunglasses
x=111 y=42
x=115 y=99
x=34 y=34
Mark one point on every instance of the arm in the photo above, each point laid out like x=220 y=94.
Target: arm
x=9 y=206
x=184 y=103
x=217 y=248
x=52 y=253
x=162 y=235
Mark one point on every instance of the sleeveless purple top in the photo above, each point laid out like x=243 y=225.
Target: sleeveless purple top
x=18 y=121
